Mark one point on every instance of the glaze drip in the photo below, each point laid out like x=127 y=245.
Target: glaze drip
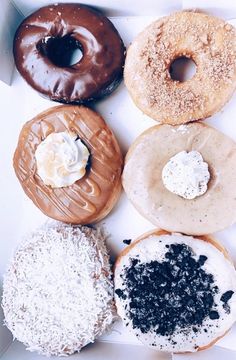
x=84 y=200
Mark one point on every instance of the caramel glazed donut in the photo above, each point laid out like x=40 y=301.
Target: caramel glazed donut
x=208 y=41
x=69 y=164
x=43 y=44
x=176 y=293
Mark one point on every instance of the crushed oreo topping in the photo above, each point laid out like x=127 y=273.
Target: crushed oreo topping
x=170 y=295
x=225 y=298
x=214 y=315
x=121 y=294
x=127 y=241
x=202 y=259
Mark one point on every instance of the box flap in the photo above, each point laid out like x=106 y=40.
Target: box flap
x=9 y=20
x=112 y=8
x=5 y=335
x=215 y=353
x=225 y=9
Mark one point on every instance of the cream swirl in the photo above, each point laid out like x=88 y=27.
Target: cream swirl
x=186 y=174
x=61 y=159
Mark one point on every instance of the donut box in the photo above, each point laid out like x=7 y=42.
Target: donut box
x=20 y=103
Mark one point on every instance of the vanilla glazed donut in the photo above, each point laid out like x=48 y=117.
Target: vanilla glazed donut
x=170 y=208
x=176 y=293
x=58 y=289
x=69 y=164
x=43 y=44
x=210 y=42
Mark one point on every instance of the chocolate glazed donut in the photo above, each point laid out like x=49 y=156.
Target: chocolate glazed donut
x=45 y=41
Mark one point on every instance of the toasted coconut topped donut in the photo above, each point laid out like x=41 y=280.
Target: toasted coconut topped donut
x=176 y=293
x=58 y=289
x=182 y=178
x=208 y=41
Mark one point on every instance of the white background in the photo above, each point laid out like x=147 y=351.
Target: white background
x=20 y=103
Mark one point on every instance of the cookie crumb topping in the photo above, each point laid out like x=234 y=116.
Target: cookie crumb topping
x=172 y=295
x=127 y=241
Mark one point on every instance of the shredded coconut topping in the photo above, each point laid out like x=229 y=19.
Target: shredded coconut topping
x=58 y=292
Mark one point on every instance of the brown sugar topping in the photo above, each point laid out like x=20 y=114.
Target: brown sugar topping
x=208 y=41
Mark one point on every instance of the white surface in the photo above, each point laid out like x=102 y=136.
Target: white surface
x=99 y=351
x=114 y=7
x=19 y=103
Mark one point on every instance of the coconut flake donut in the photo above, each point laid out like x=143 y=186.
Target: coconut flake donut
x=57 y=291
x=182 y=178
x=208 y=41
x=176 y=293
x=69 y=164
x=45 y=41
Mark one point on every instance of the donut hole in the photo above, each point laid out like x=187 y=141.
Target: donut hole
x=182 y=69
x=89 y=162
x=63 y=51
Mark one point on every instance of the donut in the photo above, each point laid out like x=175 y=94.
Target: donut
x=176 y=293
x=208 y=41
x=57 y=291
x=46 y=39
x=182 y=178
x=69 y=164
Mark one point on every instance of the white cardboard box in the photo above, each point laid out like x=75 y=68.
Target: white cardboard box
x=19 y=103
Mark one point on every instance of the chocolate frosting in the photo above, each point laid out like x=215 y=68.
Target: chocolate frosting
x=43 y=40
x=90 y=198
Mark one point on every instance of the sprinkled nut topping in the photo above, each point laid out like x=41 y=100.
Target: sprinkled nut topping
x=208 y=41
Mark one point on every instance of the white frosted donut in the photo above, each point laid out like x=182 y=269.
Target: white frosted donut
x=176 y=293
x=208 y=41
x=57 y=292
x=143 y=182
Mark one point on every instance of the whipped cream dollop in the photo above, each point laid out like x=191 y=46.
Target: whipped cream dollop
x=61 y=159
x=186 y=174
